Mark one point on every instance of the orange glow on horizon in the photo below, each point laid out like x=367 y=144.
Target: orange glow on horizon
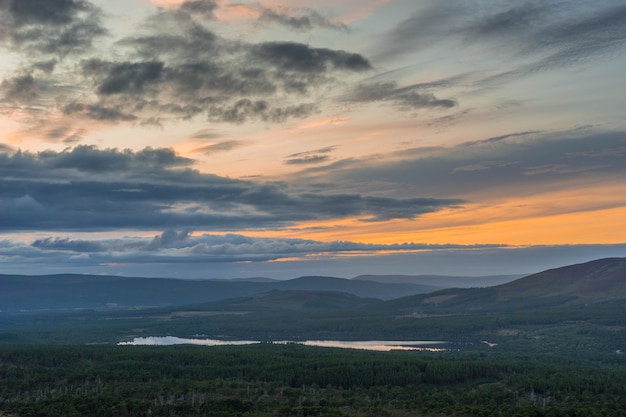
x=601 y=226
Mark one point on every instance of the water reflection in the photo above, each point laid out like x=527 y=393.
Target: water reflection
x=378 y=345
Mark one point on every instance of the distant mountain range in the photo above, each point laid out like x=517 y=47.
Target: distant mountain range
x=68 y=291
x=595 y=281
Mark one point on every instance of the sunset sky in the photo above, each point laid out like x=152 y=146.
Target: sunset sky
x=225 y=139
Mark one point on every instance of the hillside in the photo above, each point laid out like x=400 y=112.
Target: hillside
x=296 y=300
x=590 y=282
x=443 y=281
x=67 y=291
x=599 y=280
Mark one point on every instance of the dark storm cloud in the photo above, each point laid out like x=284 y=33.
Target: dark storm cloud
x=49 y=26
x=304 y=20
x=89 y=188
x=411 y=96
x=310 y=157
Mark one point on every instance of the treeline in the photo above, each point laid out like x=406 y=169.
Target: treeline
x=277 y=380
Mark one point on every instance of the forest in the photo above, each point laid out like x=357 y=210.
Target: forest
x=292 y=380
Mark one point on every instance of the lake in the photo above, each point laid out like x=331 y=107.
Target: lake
x=378 y=345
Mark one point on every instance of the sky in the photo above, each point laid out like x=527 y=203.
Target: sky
x=231 y=139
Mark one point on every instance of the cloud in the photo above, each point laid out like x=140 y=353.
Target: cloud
x=86 y=159
x=294 y=18
x=483 y=166
x=56 y=27
x=98 y=112
x=170 y=238
x=67 y=244
x=502 y=137
x=310 y=157
x=24 y=203
x=297 y=57
x=204 y=8
x=206 y=134
x=244 y=110
x=174 y=246
x=532 y=36
x=67 y=134
x=432 y=23
x=224 y=146
x=302 y=20
x=86 y=188
x=527 y=162
x=235 y=255
x=173 y=66
x=409 y=97
x=189 y=70
x=22 y=88
x=126 y=77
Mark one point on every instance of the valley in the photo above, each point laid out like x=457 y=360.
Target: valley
x=547 y=344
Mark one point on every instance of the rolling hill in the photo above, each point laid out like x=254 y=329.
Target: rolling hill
x=591 y=282
x=443 y=281
x=68 y=291
x=588 y=297
x=296 y=300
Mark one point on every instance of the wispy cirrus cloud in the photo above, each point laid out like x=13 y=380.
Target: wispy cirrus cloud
x=532 y=36
x=224 y=146
x=411 y=97
x=310 y=157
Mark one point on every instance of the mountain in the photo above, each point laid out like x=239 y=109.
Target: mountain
x=599 y=280
x=591 y=282
x=595 y=281
x=443 y=281
x=360 y=288
x=562 y=304
x=68 y=291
